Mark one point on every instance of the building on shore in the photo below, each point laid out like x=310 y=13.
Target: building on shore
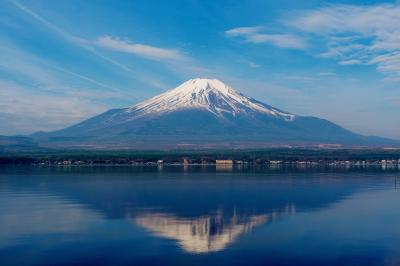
x=275 y=162
x=223 y=162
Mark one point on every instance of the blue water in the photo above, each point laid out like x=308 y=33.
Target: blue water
x=198 y=216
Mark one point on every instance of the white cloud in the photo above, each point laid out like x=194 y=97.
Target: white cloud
x=354 y=35
x=326 y=74
x=257 y=35
x=350 y=62
x=143 y=50
x=367 y=35
x=253 y=65
x=240 y=31
x=349 y=18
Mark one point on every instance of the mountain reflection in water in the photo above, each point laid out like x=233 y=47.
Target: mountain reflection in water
x=197 y=235
x=206 y=233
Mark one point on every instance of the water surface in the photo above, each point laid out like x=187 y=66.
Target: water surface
x=197 y=216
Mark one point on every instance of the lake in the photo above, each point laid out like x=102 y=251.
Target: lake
x=198 y=216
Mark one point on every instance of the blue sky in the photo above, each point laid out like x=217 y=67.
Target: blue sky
x=64 y=61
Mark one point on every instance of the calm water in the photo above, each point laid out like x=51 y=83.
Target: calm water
x=198 y=216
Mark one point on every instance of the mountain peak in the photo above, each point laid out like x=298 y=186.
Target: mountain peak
x=205 y=84
x=207 y=94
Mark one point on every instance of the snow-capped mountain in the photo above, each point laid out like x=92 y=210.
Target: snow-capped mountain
x=205 y=94
x=201 y=113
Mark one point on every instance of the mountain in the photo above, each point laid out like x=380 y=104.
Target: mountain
x=201 y=113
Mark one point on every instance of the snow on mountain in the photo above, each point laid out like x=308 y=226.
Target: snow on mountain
x=207 y=94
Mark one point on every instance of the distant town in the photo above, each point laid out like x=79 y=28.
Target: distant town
x=227 y=164
x=273 y=158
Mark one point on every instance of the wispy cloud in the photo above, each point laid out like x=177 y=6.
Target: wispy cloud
x=253 y=65
x=357 y=35
x=243 y=31
x=258 y=35
x=354 y=35
x=47 y=75
x=143 y=50
x=86 y=44
x=75 y=39
x=326 y=74
x=350 y=62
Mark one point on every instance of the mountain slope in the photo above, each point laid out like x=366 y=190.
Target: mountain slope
x=203 y=113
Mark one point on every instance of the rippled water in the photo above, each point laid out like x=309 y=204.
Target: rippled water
x=198 y=216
